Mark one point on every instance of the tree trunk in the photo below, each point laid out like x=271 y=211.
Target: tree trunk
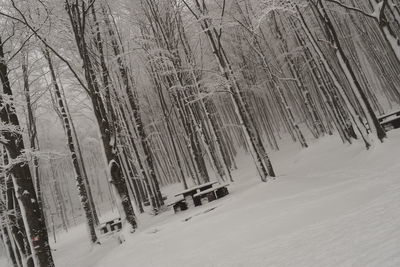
x=22 y=179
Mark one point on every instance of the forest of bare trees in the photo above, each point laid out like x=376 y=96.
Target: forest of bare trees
x=104 y=102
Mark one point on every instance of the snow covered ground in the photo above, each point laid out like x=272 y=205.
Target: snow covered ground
x=331 y=205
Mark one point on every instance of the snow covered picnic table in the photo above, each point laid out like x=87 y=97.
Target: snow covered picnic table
x=390 y=121
x=193 y=190
x=212 y=193
x=195 y=196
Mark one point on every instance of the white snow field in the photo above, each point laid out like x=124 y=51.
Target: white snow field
x=331 y=205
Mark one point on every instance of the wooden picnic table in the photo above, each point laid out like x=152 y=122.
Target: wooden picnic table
x=195 y=196
x=390 y=121
x=194 y=190
x=211 y=194
x=188 y=193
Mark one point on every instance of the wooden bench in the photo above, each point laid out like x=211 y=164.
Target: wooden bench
x=211 y=194
x=178 y=205
x=112 y=228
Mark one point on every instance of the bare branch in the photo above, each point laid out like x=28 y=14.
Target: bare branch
x=352 y=9
x=25 y=22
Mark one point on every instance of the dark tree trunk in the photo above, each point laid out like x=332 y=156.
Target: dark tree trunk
x=77 y=15
x=22 y=179
x=81 y=186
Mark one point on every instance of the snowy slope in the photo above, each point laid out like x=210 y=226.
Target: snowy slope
x=332 y=205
